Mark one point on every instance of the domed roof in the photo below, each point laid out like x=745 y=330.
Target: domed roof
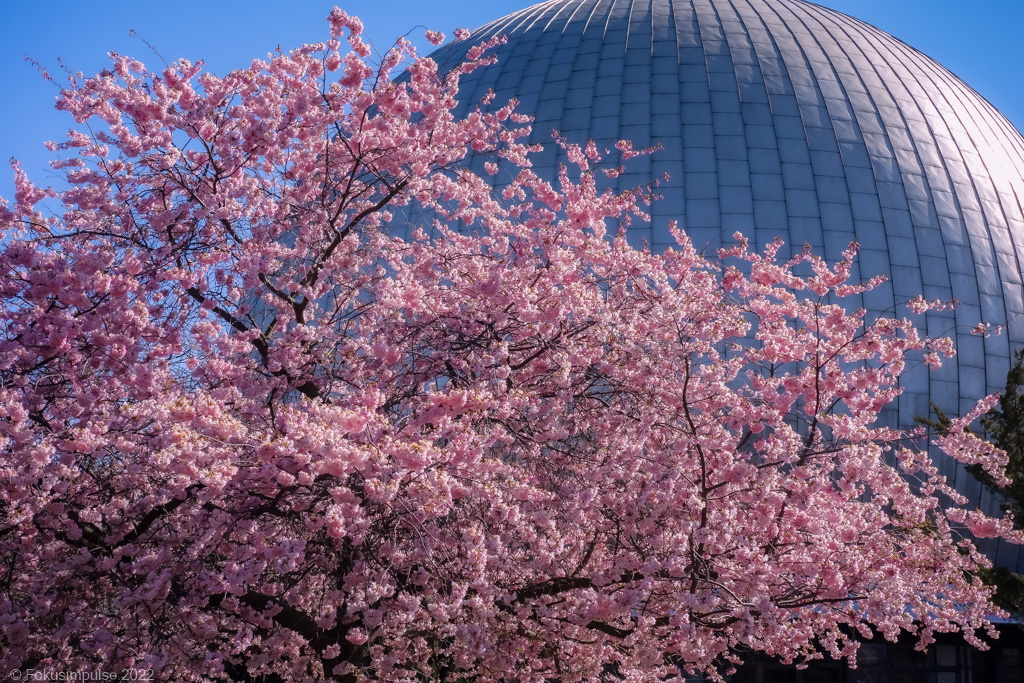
x=784 y=118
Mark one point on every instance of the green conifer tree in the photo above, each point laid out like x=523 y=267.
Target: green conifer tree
x=1004 y=426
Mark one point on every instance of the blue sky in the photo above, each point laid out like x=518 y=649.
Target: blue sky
x=979 y=41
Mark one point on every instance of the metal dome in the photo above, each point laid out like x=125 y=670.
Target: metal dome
x=784 y=118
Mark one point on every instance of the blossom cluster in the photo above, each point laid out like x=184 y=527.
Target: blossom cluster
x=262 y=409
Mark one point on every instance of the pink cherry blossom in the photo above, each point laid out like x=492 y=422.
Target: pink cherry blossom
x=262 y=408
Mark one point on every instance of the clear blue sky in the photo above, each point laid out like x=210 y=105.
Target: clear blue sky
x=980 y=41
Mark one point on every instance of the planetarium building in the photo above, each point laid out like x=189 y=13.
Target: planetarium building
x=781 y=118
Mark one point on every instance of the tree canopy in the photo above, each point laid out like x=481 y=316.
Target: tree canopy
x=254 y=416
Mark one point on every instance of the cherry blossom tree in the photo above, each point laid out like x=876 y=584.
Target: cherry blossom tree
x=262 y=409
